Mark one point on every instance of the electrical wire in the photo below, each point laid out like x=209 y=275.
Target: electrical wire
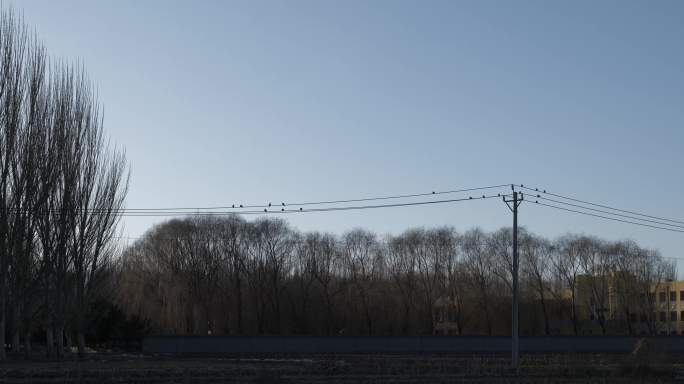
x=544 y=191
x=608 y=212
x=309 y=210
x=175 y=211
x=604 y=217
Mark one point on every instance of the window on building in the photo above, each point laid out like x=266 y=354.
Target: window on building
x=662 y=316
x=673 y=316
x=681 y=316
x=662 y=297
x=681 y=295
x=673 y=296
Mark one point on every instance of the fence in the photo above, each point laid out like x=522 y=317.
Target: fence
x=394 y=344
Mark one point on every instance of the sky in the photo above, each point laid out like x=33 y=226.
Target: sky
x=222 y=102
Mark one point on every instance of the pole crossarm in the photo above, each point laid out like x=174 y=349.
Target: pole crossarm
x=515 y=201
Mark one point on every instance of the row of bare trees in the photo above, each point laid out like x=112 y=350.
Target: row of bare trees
x=61 y=190
x=209 y=275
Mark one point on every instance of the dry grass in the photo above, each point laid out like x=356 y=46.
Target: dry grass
x=538 y=368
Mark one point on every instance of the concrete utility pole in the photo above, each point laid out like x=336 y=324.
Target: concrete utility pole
x=513 y=206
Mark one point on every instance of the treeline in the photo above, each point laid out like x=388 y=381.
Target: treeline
x=211 y=275
x=61 y=189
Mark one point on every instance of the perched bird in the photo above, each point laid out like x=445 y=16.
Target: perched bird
x=300 y=208
x=233 y=205
x=240 y=205
x=265 y=210
x=283 y=204
x=269 y=204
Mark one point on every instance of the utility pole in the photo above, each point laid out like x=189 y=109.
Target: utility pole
x=513 y=206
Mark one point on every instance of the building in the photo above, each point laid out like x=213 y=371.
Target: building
x=614 y=304
x=621 y=303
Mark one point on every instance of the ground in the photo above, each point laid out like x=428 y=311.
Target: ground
x=539 y=368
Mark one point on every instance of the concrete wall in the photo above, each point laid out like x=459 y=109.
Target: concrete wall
x=379 y=344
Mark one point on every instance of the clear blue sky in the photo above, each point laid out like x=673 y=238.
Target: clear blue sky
x=223 y=102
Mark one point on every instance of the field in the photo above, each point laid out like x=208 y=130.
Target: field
x=372 y=368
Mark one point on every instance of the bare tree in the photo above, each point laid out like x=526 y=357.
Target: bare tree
x=402 y=268
x=304 y=264
x=500 y=246
x=457 y=282
x=565 y=261
x=360 y=250
x=651 y=272
x=272 y=245
x=439 y=246
x=536 y=266
x=314 y=283
x=234 y=239
x=99 y=194
x=480 y=265
x=597 y=265
x=327 y=271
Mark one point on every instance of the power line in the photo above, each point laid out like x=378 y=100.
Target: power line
x=401 y=196
x=328 y=209
x=309 y=210
x=543 y=191
x=608 y=212
x=176 y=211
x=606 y=217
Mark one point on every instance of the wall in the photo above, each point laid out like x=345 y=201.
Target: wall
x=417 y=344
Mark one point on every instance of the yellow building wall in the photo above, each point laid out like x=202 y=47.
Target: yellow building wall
x=674 y=322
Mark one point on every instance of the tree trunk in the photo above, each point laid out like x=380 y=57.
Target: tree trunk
x=488 y=320
x=602 y=323
x=81 y=344
x=406 y=323
x=369 y=320
x=59 y=338
x=27 y=343
x=80 y=333
x=3 y=355
x=15 y=340
x=630 y=329
x=328 y=304
x=238 y=304
x=546 y=315
x=573 y=310
x=69 y=341
x=49 y=341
